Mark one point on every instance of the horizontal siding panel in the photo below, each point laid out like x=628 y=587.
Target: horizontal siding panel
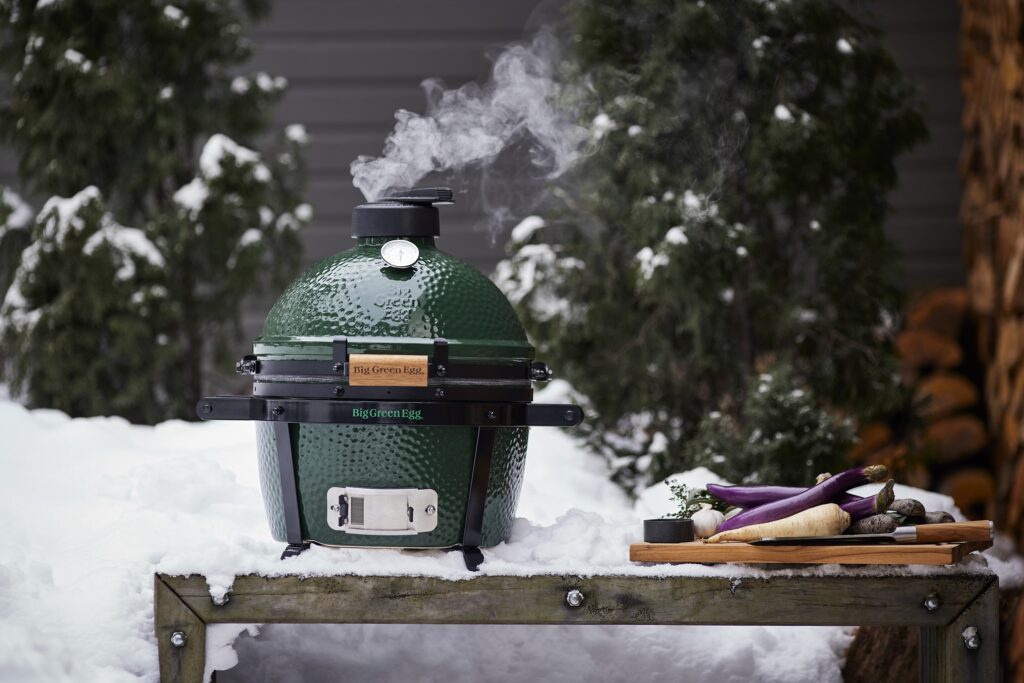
x=901 y=16
x=937 y=186
x=943 y=145
x=926 y=238
x=347 y=17
x=920 y=53
x=921 y=273
x=366 y=60
x=338 y=107
x=941 y=95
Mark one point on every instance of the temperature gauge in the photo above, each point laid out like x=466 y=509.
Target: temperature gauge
x=399 y=253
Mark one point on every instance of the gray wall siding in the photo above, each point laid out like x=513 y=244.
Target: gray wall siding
x=924 y=38
x=351 y=64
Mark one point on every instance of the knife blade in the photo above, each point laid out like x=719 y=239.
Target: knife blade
x=981 y=530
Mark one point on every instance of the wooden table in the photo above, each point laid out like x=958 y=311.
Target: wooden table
x=946 y=607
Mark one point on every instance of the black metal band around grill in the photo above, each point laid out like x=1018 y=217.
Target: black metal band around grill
x=497 y=393
x=407 y=413
x=251 y=365
x=439 y=369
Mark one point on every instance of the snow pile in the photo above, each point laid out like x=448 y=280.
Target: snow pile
x=96 y=506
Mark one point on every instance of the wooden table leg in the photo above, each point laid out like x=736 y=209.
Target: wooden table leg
x=966 y=649
x=180 y=637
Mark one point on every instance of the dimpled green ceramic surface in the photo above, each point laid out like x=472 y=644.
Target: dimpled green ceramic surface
x=388 y=310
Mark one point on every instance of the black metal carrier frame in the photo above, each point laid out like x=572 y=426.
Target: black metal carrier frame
x=481 y=395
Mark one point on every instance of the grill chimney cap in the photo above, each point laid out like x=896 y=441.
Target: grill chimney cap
x=412 y=213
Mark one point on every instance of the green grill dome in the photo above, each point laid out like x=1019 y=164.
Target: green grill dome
x=357 y=295
x=392 y=394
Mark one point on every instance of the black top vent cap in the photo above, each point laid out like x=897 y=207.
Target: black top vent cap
x=404 y=214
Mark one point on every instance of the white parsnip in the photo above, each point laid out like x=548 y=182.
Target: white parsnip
x=822 y=520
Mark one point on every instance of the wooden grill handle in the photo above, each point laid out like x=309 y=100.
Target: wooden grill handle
x=980 y=530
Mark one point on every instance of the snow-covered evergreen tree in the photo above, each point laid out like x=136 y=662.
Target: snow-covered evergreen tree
x=86 y=288
x=138 y=113
x=728 y=225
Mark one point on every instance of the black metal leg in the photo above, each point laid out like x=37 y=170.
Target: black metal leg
x=472 y=531
x=289 y=490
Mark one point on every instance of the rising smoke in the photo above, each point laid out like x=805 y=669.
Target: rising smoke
x=472 y=125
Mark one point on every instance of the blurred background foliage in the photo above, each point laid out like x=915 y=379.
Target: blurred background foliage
x=726 y=237
x=135 y=118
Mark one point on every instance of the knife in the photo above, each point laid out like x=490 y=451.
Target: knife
x=981 y=530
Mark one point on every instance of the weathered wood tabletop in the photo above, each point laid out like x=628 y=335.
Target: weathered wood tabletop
x=957 y=613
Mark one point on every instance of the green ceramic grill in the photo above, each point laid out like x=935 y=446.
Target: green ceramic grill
x=392 y=394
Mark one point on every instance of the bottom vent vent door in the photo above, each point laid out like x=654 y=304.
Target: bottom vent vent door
x=381 y=512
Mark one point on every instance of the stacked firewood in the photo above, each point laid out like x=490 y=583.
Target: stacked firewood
x=940 y=440
x=992 y=214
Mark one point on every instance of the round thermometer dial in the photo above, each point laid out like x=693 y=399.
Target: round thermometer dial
x=399 y=253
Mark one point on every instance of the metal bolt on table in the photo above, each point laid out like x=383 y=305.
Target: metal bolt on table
x=574 y=598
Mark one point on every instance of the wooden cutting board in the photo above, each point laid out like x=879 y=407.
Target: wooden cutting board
x=700 y=552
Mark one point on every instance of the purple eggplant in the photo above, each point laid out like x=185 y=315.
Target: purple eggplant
x=751 y=496
x=871 y=505
x=825 y=492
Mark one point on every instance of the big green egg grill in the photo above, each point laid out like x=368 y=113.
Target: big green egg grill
x=392 y=394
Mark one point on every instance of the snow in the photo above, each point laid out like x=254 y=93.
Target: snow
x=250 y=236
x=102 y=504
x=634 y=130
x=296 y=133
x=650 y=261
x=526 y=227
x=219 y=147
x=76 y=58
x=268 y=83
x=782 y=113
x=176 y=16
x=844 y=46
x=62 y=213
x=126 y=240
x=240 y=85
x=602 y=125
x=20 y=214
x=677 y=235
x=287 y=221
x=192 y=197
x=304 y=212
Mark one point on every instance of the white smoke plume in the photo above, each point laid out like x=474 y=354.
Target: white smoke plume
x=473 y=124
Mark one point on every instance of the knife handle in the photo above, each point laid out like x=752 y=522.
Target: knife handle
x=956 y=531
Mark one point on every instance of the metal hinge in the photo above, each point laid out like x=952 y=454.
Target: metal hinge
x=381 y=512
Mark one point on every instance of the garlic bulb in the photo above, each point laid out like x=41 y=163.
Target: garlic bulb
x=706 y=522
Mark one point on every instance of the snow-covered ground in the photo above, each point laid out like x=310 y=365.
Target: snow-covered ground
x=93 y=507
